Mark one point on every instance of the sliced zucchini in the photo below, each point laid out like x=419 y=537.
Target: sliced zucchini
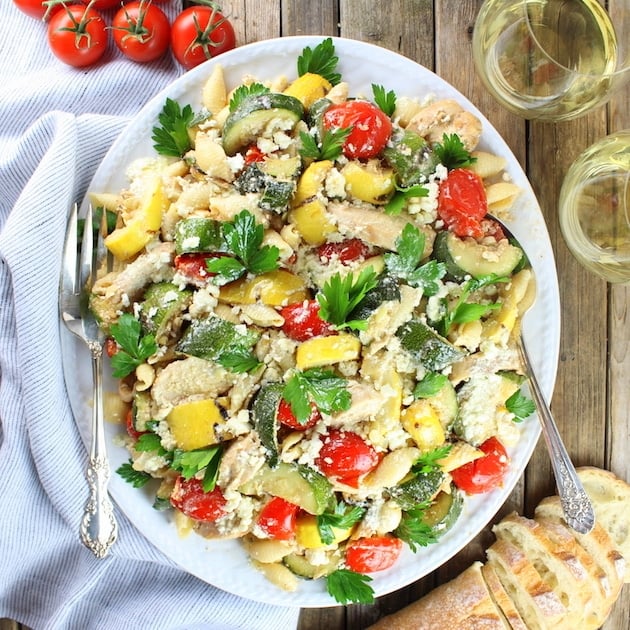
x=426 y=346
x=301 y=566
x=410 y=156
x=212 y=337
x=255 y=113
x=444 y=511
x=275 y=193
x=198 y=234
x=282 y=168
x=444 y=401
x=141 y=411
x=420 y=488
x=297 y=484
x=265 y=418
x=386 y=290
x=467 y=257
x=162 y=302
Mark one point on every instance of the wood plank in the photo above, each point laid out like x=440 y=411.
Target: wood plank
x=310 y=18
x=253 y=20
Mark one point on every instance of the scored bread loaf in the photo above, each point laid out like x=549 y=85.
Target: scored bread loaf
x=611 y=501
x=502 y=598
x=464 y=603
x=536 y=601
x=561 y=567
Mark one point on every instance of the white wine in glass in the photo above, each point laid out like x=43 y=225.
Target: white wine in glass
x=550 y=59
x=594 y=208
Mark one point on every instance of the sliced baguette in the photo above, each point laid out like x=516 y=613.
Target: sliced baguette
x=464 y=603
x=560 y=568
x=610 y=496
x=502 y=599
x=537 y=603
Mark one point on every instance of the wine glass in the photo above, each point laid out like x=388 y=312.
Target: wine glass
x=550 y=59
x=594 y=209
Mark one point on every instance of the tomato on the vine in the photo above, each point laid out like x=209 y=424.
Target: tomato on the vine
x=370 y=126
x=366 y=555
x=302 y=321
x=77 y=35
x=346 y=456
x=200 y=33
x=277 y=519
x=188 y=496
x=39 y=9
x=462 y=203
x=141 y=31
x=105 y=4
x=485 y=473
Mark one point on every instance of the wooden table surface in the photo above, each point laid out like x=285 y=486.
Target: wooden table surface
x=591 y=401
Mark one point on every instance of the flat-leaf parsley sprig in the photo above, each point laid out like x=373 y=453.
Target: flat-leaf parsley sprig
x=171 y=137
x=350 y=587
x=135 y=348
x=320 y=60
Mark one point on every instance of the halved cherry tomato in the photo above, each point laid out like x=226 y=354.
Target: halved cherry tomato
x=485 y=473
x=366 y=555
x=346 y=456
x=371 y=127
x=254 y=154
x=193 y=265
x=189 y=497
x=277 y=519
x=200 y=33
x=347 y=251
x=77 y=35
x=462 y=203
x=129 y=425
x=287 y=418
x=141 y=31
x=302 y=321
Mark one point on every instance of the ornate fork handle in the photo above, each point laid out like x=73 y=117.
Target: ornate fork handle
x=98 y=525
x=576 y=506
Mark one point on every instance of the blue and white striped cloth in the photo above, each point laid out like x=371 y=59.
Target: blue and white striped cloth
x=56 y=123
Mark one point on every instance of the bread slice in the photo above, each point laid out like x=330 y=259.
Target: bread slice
x=610 y=496
x=464 y=603
x=559 y=567
x=536 y=601
x=502 y=599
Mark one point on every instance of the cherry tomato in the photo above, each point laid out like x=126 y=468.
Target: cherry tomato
x=287 y=418
x=346 y=456
x=110 y=347
x=105 y=4
x=485 y=473
x=302 y=321
x=141 y=31
x=129 y=425
x=366 y=555
x=189 y=497
x=347 y=251
x=77 y=35
x=462 y=202
x=39 y=9
x=193 y=265
x=277 y=519
x=254 y=154
x=371 y=127
x=200 y=33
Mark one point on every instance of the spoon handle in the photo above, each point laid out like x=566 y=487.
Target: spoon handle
x=577 y=507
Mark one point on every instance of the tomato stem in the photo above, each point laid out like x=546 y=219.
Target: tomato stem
x=203 y=38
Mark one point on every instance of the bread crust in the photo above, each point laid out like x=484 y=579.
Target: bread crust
x=502 y=599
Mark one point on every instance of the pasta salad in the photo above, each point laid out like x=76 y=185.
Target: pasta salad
x=311 y=316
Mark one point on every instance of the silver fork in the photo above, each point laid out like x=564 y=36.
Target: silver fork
x=98 y=529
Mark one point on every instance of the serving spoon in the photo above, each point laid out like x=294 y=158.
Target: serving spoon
x=576 y=505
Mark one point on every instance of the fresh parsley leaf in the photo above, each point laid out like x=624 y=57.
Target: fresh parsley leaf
x=137 y=478
x=171 y=138
x=385 y=100
x=398 y=200
x=428 y=462
x=521 y=406
x=405 y=263
x=245 y=91
x=327 y=390
x=239 y=360
x=430 y=385
x=243 y=240
x=464 y=311
x=413 y=530
x=189 y=463
x=134 y=347
x=330 y=146
x=452 y=153
x=343 y=517
x=350 y=587
x=340 y=295
x=320 y=60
